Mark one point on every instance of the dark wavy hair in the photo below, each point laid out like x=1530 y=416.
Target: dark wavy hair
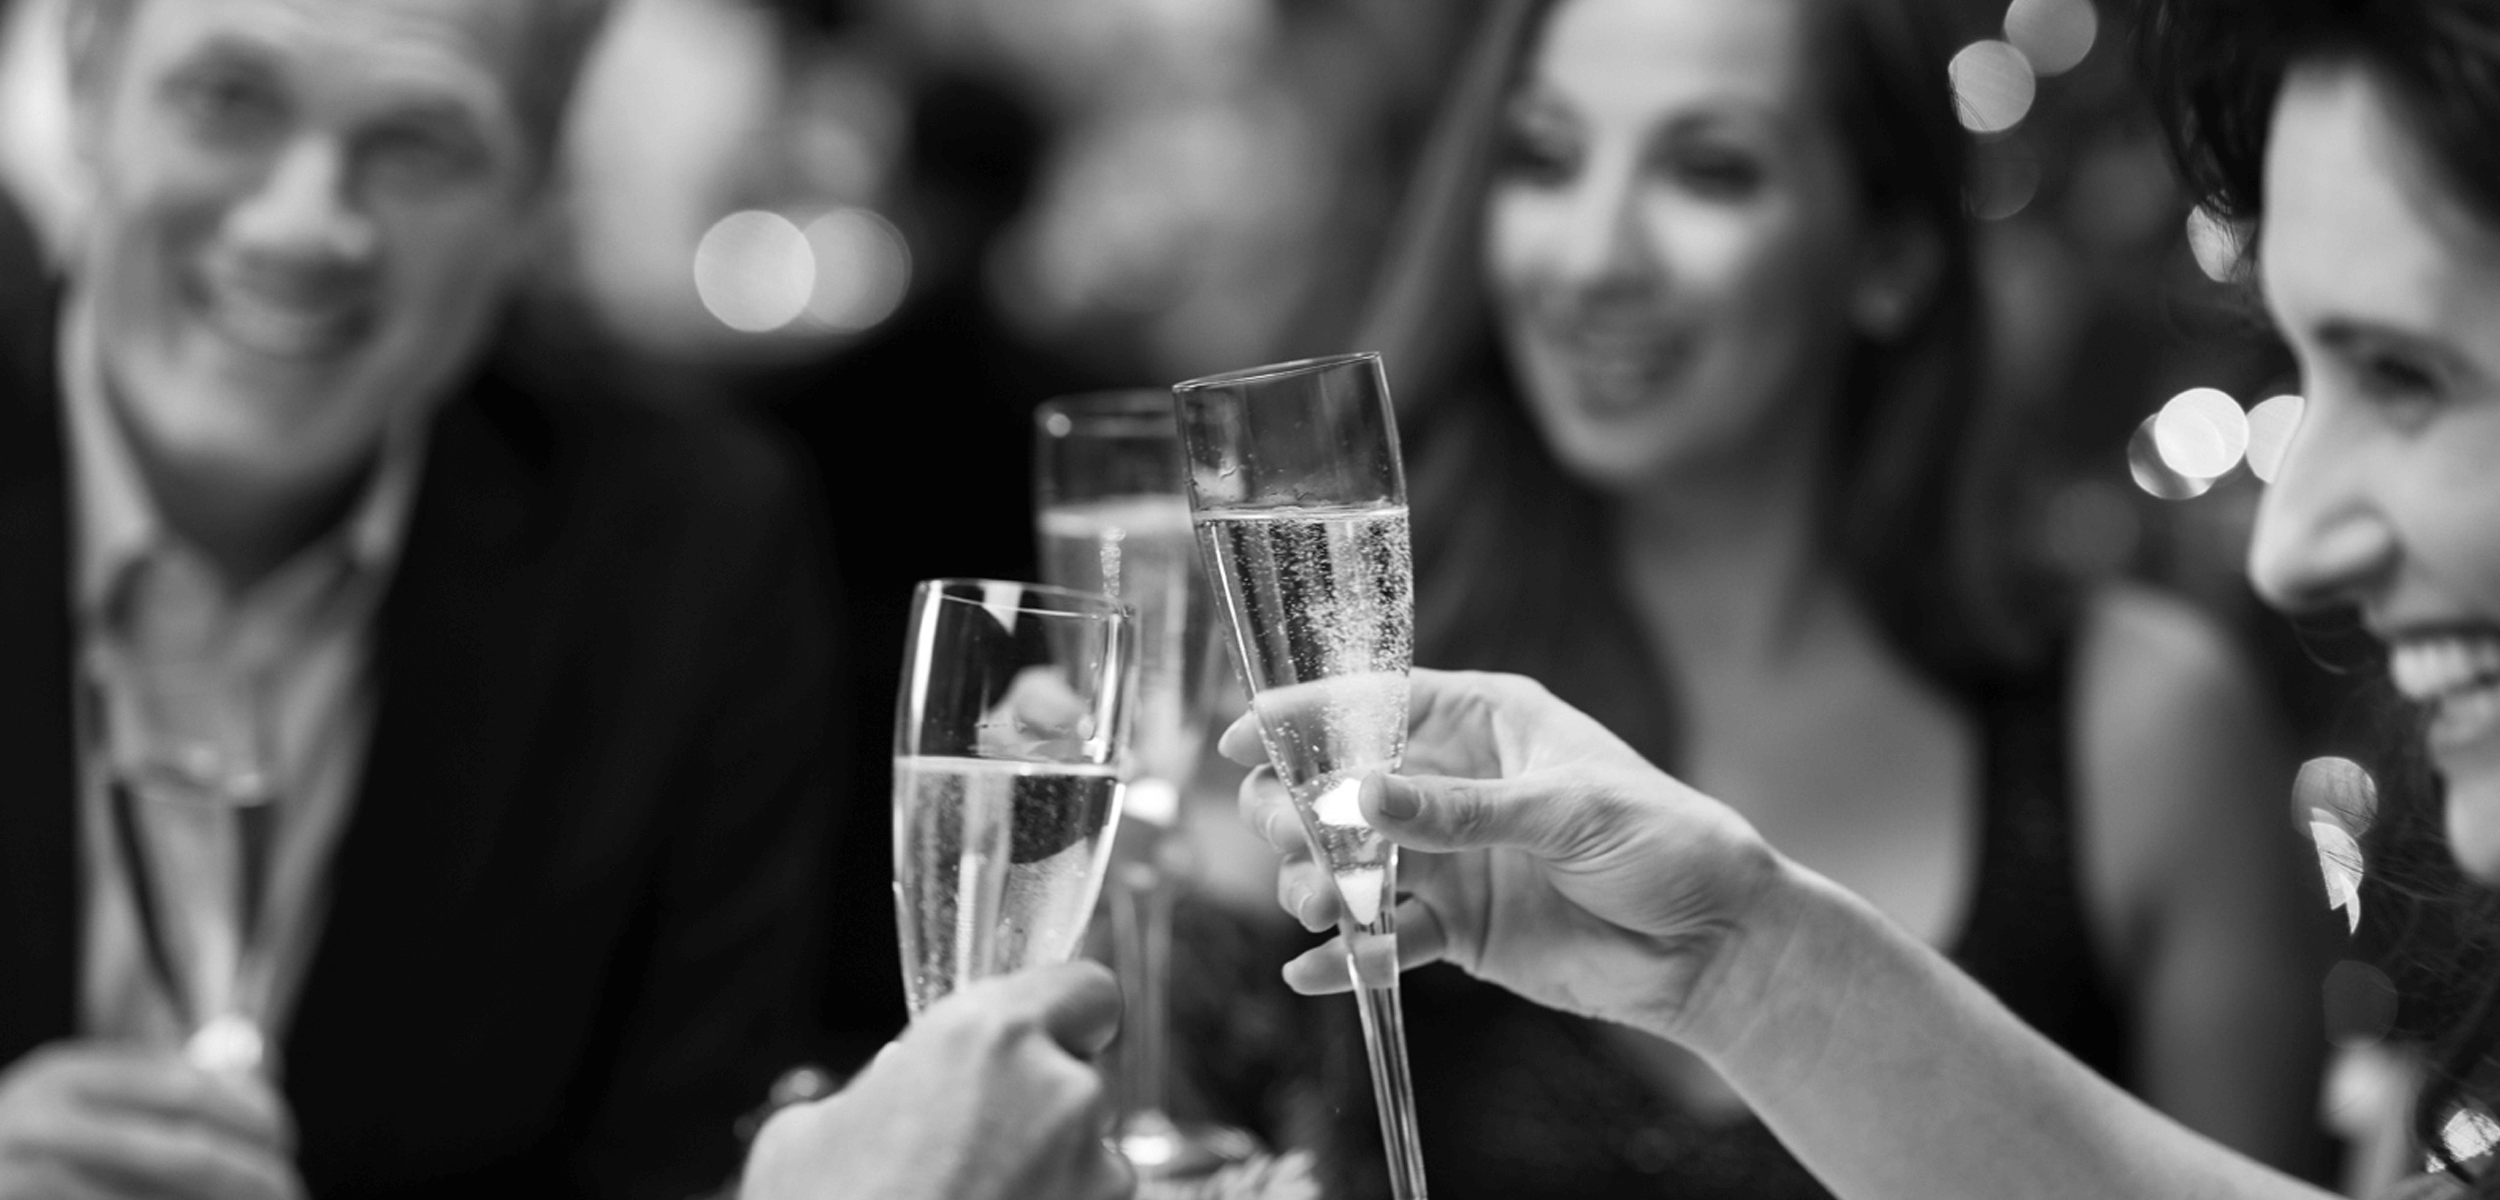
x=1511 y=551
x=2215 y=69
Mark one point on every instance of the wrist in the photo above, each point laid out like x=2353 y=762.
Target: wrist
x=1772 y=989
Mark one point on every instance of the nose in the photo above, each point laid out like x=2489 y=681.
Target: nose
x=1603 y=241
x=304 y=210
x=2322 y=539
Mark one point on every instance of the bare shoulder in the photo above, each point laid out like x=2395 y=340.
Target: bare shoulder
x=2178 y=753
x=2157 y=679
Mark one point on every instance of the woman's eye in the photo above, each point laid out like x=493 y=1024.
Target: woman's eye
x=1543 y=160
x=1713 y=170
x=2394 y=377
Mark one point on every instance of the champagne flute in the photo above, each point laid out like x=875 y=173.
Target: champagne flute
x=1114 y=518
x=186 y=757
x=1300 y=504
x=1010 y=753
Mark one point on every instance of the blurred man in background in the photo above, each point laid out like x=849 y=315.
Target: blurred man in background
x=537 y=673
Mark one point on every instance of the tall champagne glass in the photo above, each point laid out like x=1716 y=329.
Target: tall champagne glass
x=1010 y=752
x=1114 y=519
x=1300 y=504
x=187 y=762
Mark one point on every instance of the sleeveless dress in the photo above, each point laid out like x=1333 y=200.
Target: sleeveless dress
x=1515 y=1100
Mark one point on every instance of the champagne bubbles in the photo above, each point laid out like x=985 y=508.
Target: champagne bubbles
x=2270 y=428
x=1993 y=86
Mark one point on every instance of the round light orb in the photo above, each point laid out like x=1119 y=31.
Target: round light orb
x=2156 y=477
x=2216 y=244
x=2270 y=428
x=2201 y=433
x=863 y=269
x=754 y=271
x=1993 y=86
x=2055 y=35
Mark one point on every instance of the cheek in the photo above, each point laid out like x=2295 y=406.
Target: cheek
x=1523 y=234
x=1752 y=269
x=444 y=263
x=2449 y=515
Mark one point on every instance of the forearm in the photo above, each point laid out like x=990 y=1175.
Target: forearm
x=1894 y=1076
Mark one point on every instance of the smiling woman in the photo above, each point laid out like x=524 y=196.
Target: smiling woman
x=1686 y=310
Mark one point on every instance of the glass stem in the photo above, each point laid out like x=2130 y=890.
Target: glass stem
x=1141 y=918
x=1372 y=957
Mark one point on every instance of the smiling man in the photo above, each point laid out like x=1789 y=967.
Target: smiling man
x=527 y=686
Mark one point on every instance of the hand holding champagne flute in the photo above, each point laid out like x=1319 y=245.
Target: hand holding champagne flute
x=1300 y=504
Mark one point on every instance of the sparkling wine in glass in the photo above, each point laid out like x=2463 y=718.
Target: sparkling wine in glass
x=1113 y=518
x=191 y=802
x=1010 y=760
x=1300 y=504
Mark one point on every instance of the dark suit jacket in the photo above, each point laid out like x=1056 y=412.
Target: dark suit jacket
x=571 y=915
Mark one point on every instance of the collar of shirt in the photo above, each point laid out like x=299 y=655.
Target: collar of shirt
x=118 y=525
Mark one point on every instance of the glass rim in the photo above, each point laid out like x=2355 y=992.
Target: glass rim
x=1100 y=604
x=1282 y=370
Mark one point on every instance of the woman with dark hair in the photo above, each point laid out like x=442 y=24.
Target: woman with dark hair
x=2358 y=142
x=1688 y=320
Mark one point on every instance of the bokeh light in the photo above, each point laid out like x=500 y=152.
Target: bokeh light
x=754 y=271
x=2336 y=799
x=1993 y=86
x=2005 y=178
x=2216 y=244
x=2270 y=428
x=2055 y=35
x=862 y=269
x=2360 y=1004
x=2201 y=433
x=2469 y=1134
x=2156 y=477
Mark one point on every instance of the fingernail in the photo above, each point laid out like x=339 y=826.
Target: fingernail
x=1398 y=802
x=1302 y=897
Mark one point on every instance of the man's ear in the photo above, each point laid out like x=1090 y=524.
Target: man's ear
x=1898 y=274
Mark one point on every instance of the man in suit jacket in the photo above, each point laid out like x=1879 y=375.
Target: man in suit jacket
x=536 y=679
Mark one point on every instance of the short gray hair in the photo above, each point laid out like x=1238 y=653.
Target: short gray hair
x=561 y=39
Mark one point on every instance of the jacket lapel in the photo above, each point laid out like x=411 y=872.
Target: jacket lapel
x=39 y=902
